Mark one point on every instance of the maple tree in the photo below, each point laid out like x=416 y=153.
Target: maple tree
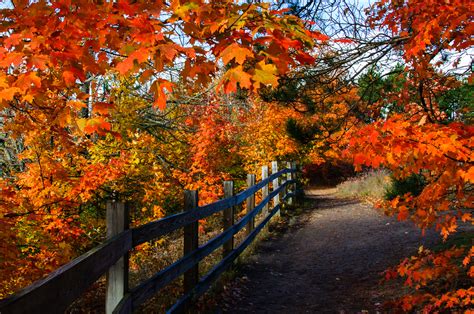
x=264 y=137
x=419 y=135
x=426 y=28
x=320 y=111
x=62 y=65
x=415 y=123
x=408 y=143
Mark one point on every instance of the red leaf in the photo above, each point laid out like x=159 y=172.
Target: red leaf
x=69 y=78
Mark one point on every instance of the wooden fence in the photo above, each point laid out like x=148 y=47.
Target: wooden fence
x=58 y=290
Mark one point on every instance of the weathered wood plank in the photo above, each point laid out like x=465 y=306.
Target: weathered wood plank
x=289 y=177
x=211 y=276
x=117 y=214
x=125 y=305
x=265 y=187
x=250 y=202
x=228 y=220
x=154 y=284
x=191 y=240
x=178 y=307
x=288 y=196
x=58 y=290
x=166 y=225
x=275 y=184
x=158 y=228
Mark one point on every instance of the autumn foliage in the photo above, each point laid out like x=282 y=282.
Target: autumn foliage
x=424 y=139
x=64 y=98
x=139 y=100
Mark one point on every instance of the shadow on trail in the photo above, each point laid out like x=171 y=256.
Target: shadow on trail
x=331 y=262
x=330 y=202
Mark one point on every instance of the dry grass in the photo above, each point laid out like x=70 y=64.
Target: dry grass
x=369 y=186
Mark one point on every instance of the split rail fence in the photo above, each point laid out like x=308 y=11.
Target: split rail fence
x=58 y=290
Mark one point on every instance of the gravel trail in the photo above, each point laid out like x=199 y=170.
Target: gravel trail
x=329 y=262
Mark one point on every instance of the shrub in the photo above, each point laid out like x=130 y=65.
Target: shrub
x=413 y=184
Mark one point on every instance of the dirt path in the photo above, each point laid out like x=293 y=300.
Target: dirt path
x=330 y=263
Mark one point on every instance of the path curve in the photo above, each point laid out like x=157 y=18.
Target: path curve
x=330 y=263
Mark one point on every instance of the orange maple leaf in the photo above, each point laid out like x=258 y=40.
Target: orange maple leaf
x=69 y=78
x=234 y=76
x=159 y=87
x=236 y=52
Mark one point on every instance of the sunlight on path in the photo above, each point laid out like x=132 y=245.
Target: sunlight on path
x=320 y=191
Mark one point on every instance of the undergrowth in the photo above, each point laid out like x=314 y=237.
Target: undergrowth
x=370 y=186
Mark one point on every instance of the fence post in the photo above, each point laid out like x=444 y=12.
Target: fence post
x=295 y=177
x=276 y=199
x=250 y=203
x=117 y=220
x=265 y=188
x=191 y=240
x=228 y=217
x=289 y=177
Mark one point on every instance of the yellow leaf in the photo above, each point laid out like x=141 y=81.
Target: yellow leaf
x=64 y=117
x=27 y=98
x=81 y=123
x=265 y=74
x=182 y=10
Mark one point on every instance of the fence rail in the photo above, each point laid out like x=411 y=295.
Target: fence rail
x=58 y=290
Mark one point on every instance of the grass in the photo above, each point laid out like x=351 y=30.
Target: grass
x=369 y=186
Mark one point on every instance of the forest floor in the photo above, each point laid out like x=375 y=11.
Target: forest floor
x=329 y=260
